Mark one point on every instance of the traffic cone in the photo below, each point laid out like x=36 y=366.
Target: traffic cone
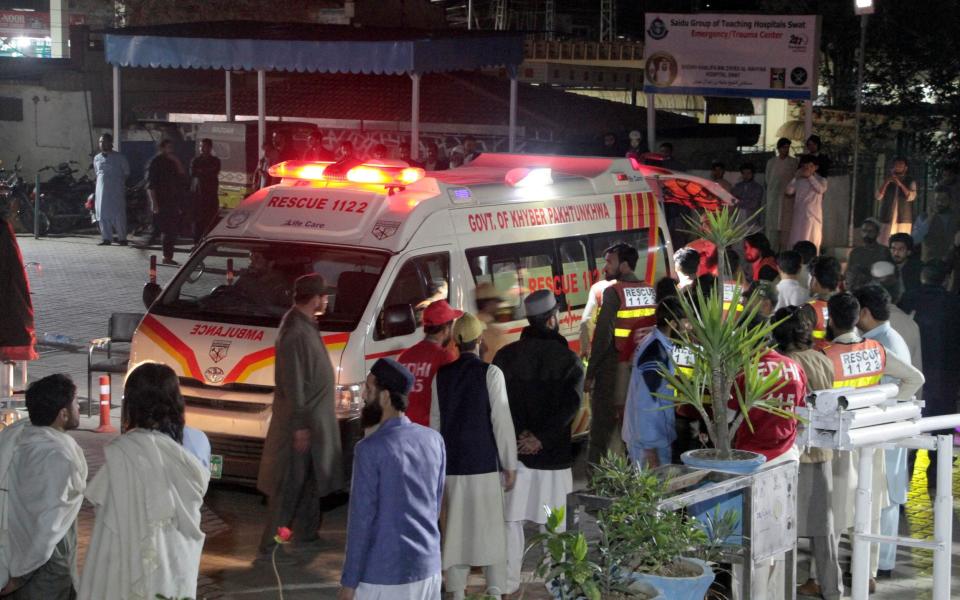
x=105 y=426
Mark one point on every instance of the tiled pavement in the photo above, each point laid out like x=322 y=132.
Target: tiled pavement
x=76 y=285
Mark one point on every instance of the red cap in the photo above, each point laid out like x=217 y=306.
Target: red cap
x=440 y=313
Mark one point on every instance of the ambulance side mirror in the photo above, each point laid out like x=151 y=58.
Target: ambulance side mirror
x=397 y=320
x=151 y=290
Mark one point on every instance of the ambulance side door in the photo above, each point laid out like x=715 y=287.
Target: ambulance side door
x=418 y=278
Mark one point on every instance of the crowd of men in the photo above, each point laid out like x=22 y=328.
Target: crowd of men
x=468 y=437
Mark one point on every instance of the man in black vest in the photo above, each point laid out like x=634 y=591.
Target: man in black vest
x=544 y=380
x=470 y=410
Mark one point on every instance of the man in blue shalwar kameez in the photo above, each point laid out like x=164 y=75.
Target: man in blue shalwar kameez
x=112 y=171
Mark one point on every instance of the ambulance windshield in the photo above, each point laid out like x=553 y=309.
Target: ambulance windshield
x=251 y=283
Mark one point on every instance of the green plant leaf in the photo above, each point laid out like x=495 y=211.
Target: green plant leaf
x=580 y=548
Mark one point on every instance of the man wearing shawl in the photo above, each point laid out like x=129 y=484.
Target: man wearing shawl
x=42 y=477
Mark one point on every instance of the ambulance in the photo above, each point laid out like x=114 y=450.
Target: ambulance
x=391 y=238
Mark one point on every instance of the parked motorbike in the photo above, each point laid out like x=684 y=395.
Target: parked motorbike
x=63 y=197
x=15 y=199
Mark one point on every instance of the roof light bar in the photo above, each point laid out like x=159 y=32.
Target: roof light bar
x=524 y=177
x=370 y=173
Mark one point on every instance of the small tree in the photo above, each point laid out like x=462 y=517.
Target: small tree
x=724 y=344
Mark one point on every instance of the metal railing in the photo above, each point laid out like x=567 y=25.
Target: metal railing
x=535 y=49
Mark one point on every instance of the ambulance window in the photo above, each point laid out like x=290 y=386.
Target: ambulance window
x=500 y=268
x=577 y=272
x=419 y=282
x=515 y=271
x=637 y=238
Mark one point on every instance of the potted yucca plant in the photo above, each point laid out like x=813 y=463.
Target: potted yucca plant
x=724 y=344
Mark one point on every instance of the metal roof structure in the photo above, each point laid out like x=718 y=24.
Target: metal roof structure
x=309 y=47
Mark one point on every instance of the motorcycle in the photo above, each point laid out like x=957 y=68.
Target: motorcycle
x=15 y=199
x=63 y=197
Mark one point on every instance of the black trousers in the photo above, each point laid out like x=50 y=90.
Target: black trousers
x=167 y=221
x=204 y=213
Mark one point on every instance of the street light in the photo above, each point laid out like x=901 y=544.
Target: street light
x=862 y=8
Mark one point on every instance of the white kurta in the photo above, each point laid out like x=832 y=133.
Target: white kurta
x=425 y=589
x=475 y=527
x=42 y=477
x=147 y=538
x=112 y=171
x=807 y=221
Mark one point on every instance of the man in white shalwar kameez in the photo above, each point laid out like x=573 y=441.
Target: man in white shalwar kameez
x=807 y=189
x=147 y=537
x=42 y=477
x=471 y=412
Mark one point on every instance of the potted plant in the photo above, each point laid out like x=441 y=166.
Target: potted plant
x=724 y=344
x=641 y=549
x=571 y=573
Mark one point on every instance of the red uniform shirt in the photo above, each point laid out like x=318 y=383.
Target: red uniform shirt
x=423 y=360
x=773 y=435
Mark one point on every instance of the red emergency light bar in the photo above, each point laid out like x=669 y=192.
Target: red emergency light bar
x=372 y=173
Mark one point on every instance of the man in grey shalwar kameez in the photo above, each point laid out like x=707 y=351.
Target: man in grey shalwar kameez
x=302 y=459
x=112 y=171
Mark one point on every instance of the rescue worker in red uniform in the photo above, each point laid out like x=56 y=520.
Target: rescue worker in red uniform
x=824 y=282
x=859 y=362
x=627 y=305
x=762 y=259
x=428 y=355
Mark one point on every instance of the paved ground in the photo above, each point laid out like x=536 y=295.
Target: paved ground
x=76 y=285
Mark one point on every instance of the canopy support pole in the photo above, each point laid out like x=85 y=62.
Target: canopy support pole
x=116 y=107
x=512 y=136
x=261 y=109
x=228 y=94
x=651 y=122
x=415 y=117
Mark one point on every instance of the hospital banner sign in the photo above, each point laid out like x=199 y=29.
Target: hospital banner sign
x=759 y=56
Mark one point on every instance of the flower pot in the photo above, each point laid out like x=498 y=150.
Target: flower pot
x=681 y=588
x=743 y=462
x=645 y=587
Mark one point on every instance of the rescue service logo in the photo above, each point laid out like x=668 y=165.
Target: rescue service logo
x=661 y=69
x=384 y=229
x=214 y=374
x=658 y=29
x=218 y=350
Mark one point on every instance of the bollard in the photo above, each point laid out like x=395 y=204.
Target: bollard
x=229 y=271
x=152 y=274
x=105 y=426
x=36 y=208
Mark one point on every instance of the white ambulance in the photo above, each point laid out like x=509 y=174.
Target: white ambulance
x=390 y=238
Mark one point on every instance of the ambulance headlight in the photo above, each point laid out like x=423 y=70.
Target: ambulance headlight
x=349 y=400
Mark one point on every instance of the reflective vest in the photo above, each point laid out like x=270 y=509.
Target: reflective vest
x=857 y=365
x=638 y=305
x=683 y=363
x=728 y=288
x=820 y=328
